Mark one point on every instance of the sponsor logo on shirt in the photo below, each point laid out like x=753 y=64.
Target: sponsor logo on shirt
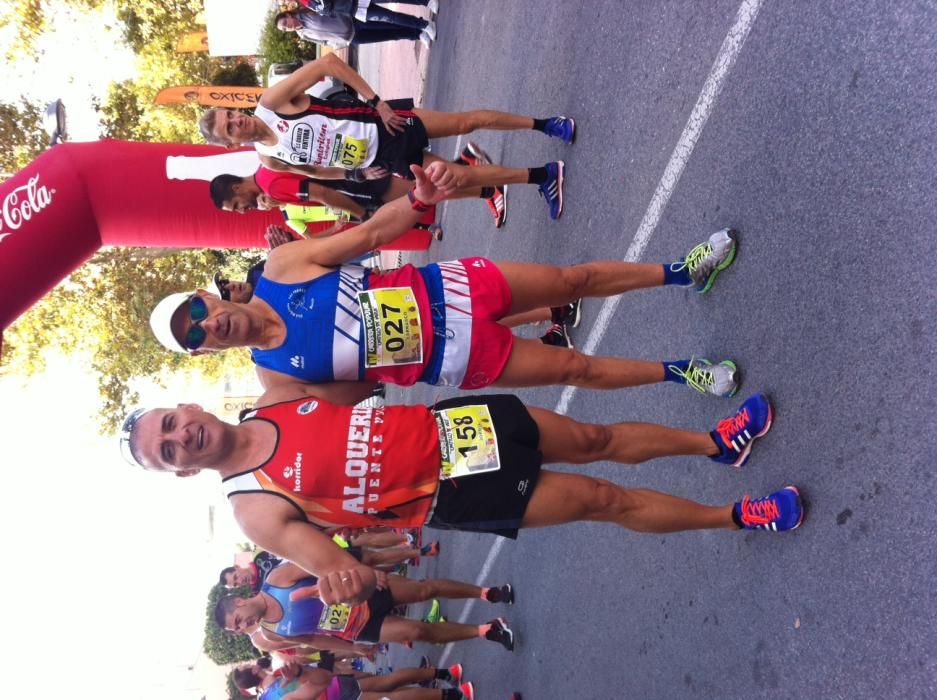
x=298 y=362
x=522 y=486
x=306 y=408
x=282 y=126
x=363 y=456
x=296 y=472
x=296 y=304
x=22 y=204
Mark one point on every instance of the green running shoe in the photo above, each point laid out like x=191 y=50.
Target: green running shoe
x=706 y=260
x=707 y=378
x=435 y=614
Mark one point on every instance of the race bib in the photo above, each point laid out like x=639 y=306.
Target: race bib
x=392 y=331
x=467 y=440
x=349 y=153
x=335 y=618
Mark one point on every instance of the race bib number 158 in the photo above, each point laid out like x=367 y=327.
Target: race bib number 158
x=468 y=441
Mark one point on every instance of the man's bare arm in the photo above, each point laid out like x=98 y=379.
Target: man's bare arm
x=330 y=66
x=333 y=198
x=321 y=172
x=275 y=525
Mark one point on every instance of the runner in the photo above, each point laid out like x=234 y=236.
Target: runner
x=327 y=140
x=296 y=464
x=288 y=609
x=340 y=328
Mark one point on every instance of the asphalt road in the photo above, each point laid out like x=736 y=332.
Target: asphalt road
x=820 y=148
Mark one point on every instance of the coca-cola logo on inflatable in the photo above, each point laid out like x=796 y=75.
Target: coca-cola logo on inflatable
x=22 y=204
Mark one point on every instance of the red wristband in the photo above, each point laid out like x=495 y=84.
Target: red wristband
x=416 y=204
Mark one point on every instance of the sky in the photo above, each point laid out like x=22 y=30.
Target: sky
x=104 y=562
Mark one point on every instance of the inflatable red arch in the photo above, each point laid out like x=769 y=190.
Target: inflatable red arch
x=76 y=197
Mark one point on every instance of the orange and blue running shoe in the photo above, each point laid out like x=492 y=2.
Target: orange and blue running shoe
x=782 y=510
x=734 y=436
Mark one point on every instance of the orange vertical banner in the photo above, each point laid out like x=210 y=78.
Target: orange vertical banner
x=211 y=95
x=192 y=42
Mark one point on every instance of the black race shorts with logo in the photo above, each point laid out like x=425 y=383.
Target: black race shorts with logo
x=397 y=152
x=494 y=502
x=348 y=688
x=379 y=605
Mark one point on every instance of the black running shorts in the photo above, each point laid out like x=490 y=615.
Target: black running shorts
x=379 y=605
x=397 y=152
x=348 y=688
x=494 y=502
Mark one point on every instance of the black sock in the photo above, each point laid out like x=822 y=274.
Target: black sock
x=556 y=314
x=460 y=161
x=736 y=518
x=540 y=125
x=442 y=674
x=452 y=694
x=487 y=192
x=536 y=176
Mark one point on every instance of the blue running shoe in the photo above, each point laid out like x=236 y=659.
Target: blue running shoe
x=562 y=128
x=552 y=189
x=782 y=510
x=734 y=436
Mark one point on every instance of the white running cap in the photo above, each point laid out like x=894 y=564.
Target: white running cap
x=213 y=286
x=161 y=320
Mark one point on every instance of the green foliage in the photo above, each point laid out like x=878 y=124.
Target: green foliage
x=102 y=310
x=121 y=112
x=237 y=74
x=29 y=19
x=282 y=47
x=21 y=134
x=220 y=646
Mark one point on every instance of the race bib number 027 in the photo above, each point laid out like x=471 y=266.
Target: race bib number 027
x=349 y=153
x=392 y=331
x=468 y=441
x=334 y=618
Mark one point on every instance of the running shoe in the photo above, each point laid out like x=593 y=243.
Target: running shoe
x=426 y=40
x=424 y=662
x=455 y=674
x=516 y=696
x=473 y=154
x=434 y=613
x=734 y=436
x=498 y=204
x=562 y=128
x=468 y=691
x=706 y=260
x=558 y=336
x=430 y=29
x=430 y=550
x=433 y=6
x=552 y=189
x=501 y=594
x=782 y=510
x=501 y=633
x=570 y=314
x=707 y=378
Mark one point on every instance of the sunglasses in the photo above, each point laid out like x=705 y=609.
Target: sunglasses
x=223 y=290
x=198 y=312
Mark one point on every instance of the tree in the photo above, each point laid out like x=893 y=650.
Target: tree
x=102 y=310
x=282 y=47
x=121 y=113
x=237 y=74
x=220 y=646
x=21 y=134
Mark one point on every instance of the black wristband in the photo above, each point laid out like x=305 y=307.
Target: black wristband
x=355 y=175
x=373 y=101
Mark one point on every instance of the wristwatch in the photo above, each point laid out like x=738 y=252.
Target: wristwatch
x=373 y=101
x=416 y=204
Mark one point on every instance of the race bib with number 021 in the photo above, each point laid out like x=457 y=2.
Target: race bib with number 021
x=392 y=331
x=334 y=618
x=467 y=440
x=349 y=153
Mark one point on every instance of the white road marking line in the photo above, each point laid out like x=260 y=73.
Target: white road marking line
x=731 y=47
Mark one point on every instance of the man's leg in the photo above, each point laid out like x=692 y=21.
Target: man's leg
x=406 y=694
x=402 y=629
x=406 y=591
x=560 y=498
x=564 y=440
x=392 y=681
x=376 y=32
x=442 y=124
x=378 y=14
x=388 y=556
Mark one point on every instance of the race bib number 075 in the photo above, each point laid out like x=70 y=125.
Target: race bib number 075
x=349 y=153
x=392 y=331
x=468 y=441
